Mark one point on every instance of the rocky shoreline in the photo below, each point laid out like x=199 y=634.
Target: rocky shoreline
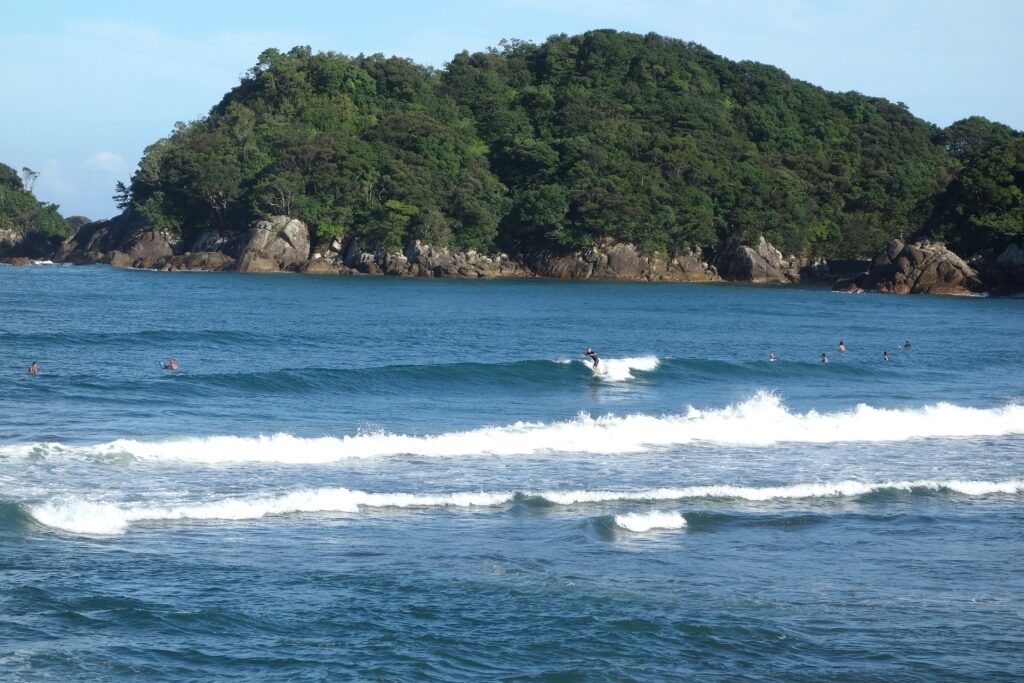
x=283 y=244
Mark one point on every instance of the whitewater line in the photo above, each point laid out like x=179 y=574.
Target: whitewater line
x=80 y=515
x=760 y=421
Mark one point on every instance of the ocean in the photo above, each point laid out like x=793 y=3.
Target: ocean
x=366 y=478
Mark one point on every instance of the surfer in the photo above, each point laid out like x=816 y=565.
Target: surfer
x=842 y=347
x=34 y=368
x=772 y=356
x=172 y=364
x=906 y=344
x=885 y=356
x=593 y=356
x=824 y=358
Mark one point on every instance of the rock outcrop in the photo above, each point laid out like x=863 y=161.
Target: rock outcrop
x=34 y=245
x=612 y=261
x=281 y=243
x=128 y=234
x=1004 y=274
x=919 y=268
x=424 y=260
x=763 y=263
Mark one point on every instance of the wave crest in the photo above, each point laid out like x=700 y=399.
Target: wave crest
x=81 y=516
x=621 y=369
x=760 y=421
x=642 y=522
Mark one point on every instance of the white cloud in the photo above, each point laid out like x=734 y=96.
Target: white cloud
x=105 y=160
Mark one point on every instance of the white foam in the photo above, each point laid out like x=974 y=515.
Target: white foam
x=102 y=518
x=620 y=369
x=760 y=421
x=642 y=522
x=82 y=516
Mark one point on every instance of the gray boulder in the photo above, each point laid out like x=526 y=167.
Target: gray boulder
x=281 y=240
x=763 y=263
x=256 y=262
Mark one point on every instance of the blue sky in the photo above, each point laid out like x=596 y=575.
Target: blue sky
x=89 y=84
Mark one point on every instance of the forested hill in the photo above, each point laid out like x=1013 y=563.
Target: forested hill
x=27 y=226
x=550 y=147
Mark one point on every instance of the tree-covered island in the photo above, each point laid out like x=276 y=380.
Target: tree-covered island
x=598 y=139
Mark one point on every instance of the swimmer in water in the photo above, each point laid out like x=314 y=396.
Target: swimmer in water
x=772 y=356
x=885 y=356
x=842 y=347
x=592 y=355
x=34 y=368
x=906 y=344
x=824 y=358
x=172 y=364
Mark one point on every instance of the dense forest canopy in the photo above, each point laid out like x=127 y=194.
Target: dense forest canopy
x=557 y=146
x=23 y=218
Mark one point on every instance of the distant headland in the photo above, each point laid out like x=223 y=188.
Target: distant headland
x=603 y=155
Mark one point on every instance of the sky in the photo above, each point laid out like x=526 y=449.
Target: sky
x=88 y=85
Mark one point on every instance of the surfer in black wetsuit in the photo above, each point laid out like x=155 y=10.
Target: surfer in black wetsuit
x=593 y=356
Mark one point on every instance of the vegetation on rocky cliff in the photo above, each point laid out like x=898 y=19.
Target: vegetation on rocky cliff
x=26 y=224
x=604 y=136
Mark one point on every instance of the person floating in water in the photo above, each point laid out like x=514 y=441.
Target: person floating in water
x=906 y=344
x=34 y=368
x=172 y=364
x=824 y=358
x=842 y=347
x=593 y=356
x=885 y=356
x=772 y=356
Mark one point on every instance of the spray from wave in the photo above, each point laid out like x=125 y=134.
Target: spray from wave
x=82 y=516
x=760 y=421
x=642 y=522
x=621 y=369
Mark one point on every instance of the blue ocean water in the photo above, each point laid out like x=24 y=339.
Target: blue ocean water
x=374 y=478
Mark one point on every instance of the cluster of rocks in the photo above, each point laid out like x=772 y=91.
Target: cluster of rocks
x=424 y=260
x=919 y=268
x=613 y=261
x=282 y=243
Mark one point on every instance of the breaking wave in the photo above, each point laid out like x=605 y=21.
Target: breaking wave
x=83 y=516
x=642 y=522
x=760 y=421
x=621 y=369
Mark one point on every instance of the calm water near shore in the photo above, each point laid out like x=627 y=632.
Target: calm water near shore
x=374 y=478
